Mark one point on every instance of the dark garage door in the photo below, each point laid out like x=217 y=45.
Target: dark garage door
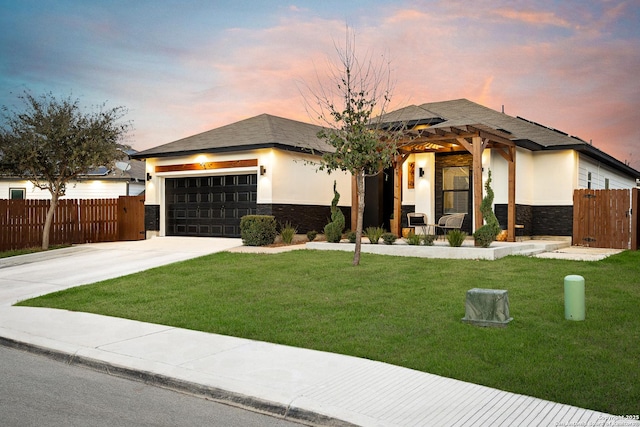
x=209 y=206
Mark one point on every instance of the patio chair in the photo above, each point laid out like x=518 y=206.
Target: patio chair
x=450 y=222
x=415 y=220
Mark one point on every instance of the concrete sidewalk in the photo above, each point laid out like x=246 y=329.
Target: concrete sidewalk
x=309 y=386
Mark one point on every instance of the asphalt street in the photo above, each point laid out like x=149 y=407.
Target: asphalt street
x=38 y=391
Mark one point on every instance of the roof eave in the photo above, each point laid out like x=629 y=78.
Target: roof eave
x=279 y=146
x=528 y=144
x=606 y=159
x=596 y=154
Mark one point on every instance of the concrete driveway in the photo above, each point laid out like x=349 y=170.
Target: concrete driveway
x=32 y=275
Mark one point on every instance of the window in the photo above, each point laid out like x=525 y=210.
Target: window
x=455 y=186
x=589 y=181
x=606 y=183
x=17 y=193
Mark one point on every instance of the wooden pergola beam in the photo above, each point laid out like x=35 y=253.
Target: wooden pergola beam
x=477 y=148
x=511 y=207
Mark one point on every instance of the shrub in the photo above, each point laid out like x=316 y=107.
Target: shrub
x=456 y=237
x=413 y=239
x=258 y=230
x=311 y=235
x=351 y=235
x=374 y=234
x=483 y=236
x=333 y=230
x=427 y=239
x=389 y=238
x=287 y=232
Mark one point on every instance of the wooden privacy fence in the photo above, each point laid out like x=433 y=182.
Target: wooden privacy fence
x=606 y=218
x=74 y=221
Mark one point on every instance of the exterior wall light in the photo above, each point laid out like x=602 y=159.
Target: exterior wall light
x=263 y=170
x=148 y=176
x=420 y=172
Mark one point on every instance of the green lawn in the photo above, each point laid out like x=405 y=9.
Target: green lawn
x=406 y=311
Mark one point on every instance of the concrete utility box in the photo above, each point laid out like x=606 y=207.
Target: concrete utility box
x=574 y=296
x=487 y=307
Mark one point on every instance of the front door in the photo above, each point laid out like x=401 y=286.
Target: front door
x=454 y=187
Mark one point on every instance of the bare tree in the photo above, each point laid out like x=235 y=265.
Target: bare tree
x=52 y=142
x=350 y=108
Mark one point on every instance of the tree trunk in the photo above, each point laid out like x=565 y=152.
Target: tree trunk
x=359 y=220
x=47 y=223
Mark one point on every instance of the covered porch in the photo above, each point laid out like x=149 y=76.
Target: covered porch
x=425 y=136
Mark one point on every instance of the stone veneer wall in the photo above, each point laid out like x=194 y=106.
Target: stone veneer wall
x=539 y=220
x=303 y=217
x=552 y=220
x=152 y=217
x=406 y=209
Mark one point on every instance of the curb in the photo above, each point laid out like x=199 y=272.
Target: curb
x=215 y=394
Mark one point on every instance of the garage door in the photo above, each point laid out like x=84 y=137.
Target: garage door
x=209 y=206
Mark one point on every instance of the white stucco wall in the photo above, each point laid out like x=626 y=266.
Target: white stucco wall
x=289 y=179
x=154 y=193
x=542 y=178
x=295 y=180
x=550 y=177
x=422 y=195
x=90 y=189
x=555 y=175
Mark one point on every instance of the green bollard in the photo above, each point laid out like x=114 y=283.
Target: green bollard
x=574 y=308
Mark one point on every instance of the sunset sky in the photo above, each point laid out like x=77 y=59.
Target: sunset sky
x=184 y=67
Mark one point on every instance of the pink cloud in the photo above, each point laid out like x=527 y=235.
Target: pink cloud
x=575 y=81
x=533 y=17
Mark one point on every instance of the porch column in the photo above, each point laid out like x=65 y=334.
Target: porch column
x=477 y=181
x=508 y=152
x=397 y=194
x=511 y=207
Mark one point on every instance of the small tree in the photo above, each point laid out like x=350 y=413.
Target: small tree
x=333 y=230
x=488 y=232
x=52 y=142
x=359 y=92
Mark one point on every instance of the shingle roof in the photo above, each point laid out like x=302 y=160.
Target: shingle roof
x=525 y=133
x=256 y=132
x=271 y=131
x=462 y=112
x=465 y=112
x=410 y=114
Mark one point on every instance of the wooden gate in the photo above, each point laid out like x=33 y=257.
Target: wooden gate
x=131 y=218
x=603 y=219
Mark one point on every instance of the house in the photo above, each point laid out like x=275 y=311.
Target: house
x=126 y=179
x=203 y=184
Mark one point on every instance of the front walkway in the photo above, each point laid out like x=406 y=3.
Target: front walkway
x=441 y=249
